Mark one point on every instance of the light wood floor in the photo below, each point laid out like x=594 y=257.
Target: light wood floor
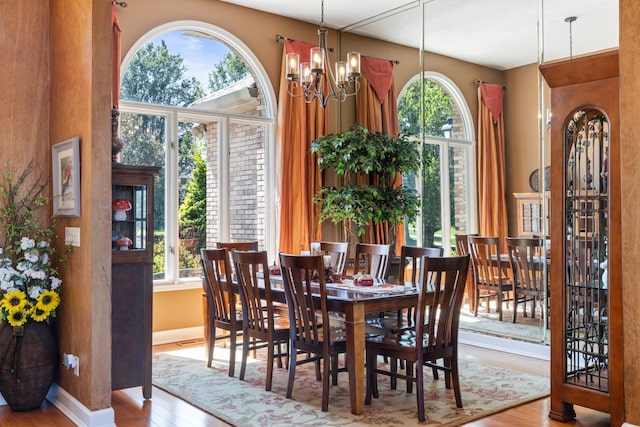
x=165 y=410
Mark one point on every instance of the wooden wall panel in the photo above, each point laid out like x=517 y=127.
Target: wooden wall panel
x=630 y=183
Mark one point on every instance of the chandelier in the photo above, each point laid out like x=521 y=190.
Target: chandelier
x=310 y=75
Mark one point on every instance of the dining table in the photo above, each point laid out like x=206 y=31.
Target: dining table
x=355 y=302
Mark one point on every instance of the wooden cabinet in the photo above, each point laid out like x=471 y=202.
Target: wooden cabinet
x=131 y=276
x=586 y=285
x=532 y=215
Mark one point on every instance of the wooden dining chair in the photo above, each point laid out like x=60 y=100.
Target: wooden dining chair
x=221 y=313
x=527 y=258
x=373 y=259
x=434 y=336
x=260 y=326
x=490 y=273
x=310 y=331
x=338 y=252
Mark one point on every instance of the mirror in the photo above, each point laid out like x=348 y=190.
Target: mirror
x=445 y=30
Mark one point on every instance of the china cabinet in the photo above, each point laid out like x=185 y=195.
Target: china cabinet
x=531 y=215
x=586 y=288
x=131 y=276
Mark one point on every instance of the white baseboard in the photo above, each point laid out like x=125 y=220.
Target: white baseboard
x=522 y=348
x=77 y=412
x=175 y=335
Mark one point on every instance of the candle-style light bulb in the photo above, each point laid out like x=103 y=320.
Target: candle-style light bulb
x=341 y=73
x=317 y=60
x=305 y=73
x=353 y=63
x=292 y=65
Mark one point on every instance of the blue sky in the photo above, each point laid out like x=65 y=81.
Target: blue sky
x=200 y=54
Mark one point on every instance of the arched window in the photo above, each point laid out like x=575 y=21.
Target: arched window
x=196 y=102
x=432 y=110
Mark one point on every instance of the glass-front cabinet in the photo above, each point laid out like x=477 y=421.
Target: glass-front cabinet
x=131 y=276
x=586 y=289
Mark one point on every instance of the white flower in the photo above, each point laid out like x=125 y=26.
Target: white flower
x=22 y=266
x=43 y=244
x=45 y=258
x=32 y=255
x=35 y=292
x=55 y=282
x=27 y=243
x=6 y=285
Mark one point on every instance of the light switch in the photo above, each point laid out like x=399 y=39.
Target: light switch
x=72 y=236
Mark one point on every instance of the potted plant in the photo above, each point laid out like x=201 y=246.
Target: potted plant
x=369 y=165
x=29 y=292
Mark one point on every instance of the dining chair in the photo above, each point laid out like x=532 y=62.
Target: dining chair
x=527 y=258
x=310 y=331
x=260 y=326
x=489 y=273
x=339 y=254
x=434 y=336
x=373 y=259
x=241 y=246
x=222 y=312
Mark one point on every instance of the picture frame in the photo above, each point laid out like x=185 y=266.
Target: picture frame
x=65 y=157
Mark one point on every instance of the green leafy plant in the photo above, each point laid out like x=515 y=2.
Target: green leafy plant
x=29 y=283
x=369 y=164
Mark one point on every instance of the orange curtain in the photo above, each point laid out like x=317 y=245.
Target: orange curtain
x=377 y=110
x=299 y=124
x=492 y=210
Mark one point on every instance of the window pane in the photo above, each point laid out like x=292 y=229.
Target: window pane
x=459 y=190
x=431 y=197
x=247 y=182
x=144 y=137
x=192 y=196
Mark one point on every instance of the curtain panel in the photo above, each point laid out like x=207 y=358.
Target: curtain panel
x=492 y=209
x=298 y=125
x=377 y=110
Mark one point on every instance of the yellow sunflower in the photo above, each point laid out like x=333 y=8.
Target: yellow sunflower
x=17 y=318
x=47 y=301
x=39 y=314
x=14 y=300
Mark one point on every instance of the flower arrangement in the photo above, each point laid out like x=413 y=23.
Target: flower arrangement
x=29 y=285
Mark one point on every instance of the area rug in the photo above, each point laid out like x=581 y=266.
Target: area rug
x=485 y=390
x=529 y=330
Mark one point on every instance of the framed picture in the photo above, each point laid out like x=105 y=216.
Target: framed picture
x=66 y=178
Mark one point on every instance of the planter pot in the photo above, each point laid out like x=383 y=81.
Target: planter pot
x=28 y=361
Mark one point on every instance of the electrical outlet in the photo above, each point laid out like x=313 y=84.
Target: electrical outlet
x=72 y=236
x=71 y=361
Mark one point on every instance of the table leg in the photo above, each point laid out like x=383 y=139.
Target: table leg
x=354 y=318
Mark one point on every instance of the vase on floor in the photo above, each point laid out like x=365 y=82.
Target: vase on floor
x=28 y=361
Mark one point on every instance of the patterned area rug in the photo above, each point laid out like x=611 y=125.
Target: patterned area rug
x=485 y=390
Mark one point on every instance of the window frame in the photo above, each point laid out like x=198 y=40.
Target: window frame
x=444 y=145
x=175 y=115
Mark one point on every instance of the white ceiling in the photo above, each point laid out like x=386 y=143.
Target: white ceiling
x=500 y=34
